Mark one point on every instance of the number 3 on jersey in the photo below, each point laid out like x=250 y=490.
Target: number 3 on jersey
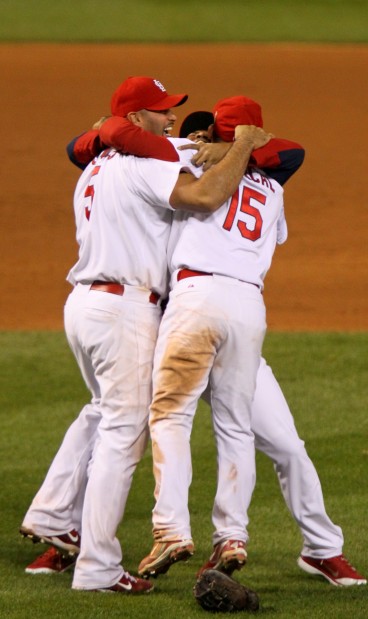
x=244 y=206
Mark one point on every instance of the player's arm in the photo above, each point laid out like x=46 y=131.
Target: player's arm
x=279 y=158
x=126 y=137
x=217 y=184
x=122 y=135
x=84 y=148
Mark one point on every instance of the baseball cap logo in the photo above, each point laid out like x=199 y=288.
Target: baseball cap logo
x=159 y=85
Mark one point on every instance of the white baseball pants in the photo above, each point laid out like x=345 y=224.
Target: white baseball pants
x=113 y=339
x=57 y=506
x=276 y=436
x=213 y=329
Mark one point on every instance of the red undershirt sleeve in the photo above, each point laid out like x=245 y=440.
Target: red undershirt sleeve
x=82 y=149
x=128 y=138
x=280 y=158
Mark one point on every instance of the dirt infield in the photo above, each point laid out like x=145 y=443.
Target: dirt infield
x=313 y=94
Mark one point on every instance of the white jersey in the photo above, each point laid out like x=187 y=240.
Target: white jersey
x=239 y=239
x=123 y=220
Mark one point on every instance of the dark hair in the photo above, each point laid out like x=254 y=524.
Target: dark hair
x=195 y=122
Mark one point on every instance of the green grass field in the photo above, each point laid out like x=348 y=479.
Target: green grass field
x=179 y=21
x=324 y=379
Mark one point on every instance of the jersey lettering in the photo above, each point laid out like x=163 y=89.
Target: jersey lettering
x=251 y=232
x=108 y=153
x=256 y=177
x=90 y=192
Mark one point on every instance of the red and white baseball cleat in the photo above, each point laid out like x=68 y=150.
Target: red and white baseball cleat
x=227 y=556
x=70 y=542
x=163 y=555
x=51 y=562
x=129 y=584
x=337 y=570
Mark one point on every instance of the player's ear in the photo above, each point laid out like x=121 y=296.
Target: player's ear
x=210 y=132
x=134 y=117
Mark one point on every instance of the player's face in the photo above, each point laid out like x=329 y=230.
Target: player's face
x=201 y=135
x=158 y=123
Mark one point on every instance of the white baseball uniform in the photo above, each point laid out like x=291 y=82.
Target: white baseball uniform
x=57 y=507
x=275 y=435
x=213 y=330
x=123 y=221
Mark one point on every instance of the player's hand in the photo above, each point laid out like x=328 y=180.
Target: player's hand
x=258 y=136
x=207 y=155
x=98 y=124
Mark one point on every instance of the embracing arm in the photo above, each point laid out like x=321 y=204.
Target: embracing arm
x=216 y=185
x=279 y=158
x=122 y=135
x=85 y=147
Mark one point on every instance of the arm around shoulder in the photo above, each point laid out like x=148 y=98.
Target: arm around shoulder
x=217 y=184
x=85 y=147
x=280 y=158
x=124 y=136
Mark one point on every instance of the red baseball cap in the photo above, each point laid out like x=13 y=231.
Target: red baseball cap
x=143 y=93
x=235 y=111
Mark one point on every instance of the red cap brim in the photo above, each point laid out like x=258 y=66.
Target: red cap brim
x=167 y=102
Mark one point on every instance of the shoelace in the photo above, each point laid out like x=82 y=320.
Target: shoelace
x=129 y=577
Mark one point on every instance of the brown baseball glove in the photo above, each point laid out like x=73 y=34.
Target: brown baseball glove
x=218 y=592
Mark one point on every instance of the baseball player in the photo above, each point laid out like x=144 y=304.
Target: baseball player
x=123 y=211
x=212 y=332
x=299 y=482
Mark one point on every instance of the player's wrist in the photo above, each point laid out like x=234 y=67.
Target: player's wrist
x=243 y=146
x=245 y=138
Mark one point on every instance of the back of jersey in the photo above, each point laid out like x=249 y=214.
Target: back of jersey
x=123 y=220
x=239 y=239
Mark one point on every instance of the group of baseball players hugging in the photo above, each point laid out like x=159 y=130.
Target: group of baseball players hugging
x=175 y=238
